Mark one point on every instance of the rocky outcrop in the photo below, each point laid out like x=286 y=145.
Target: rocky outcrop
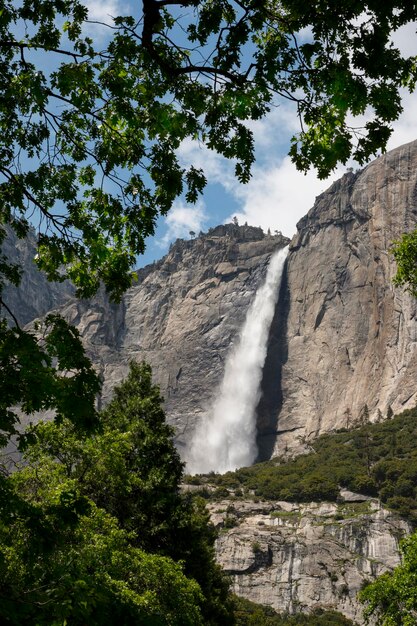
x=350 y=336
x=182 y=317
x=300 y=557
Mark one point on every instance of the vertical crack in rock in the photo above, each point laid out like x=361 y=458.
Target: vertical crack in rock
x=271 y=393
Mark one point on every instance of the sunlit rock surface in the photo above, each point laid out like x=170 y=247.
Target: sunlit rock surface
x=299 y=557
x=351 y=337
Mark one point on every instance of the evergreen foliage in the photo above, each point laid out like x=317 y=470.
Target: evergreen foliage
x=94 y=527
x=378 y=460
x=250 y=614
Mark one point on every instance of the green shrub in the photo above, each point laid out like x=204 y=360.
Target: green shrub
x=379 y=460
x=250 y=614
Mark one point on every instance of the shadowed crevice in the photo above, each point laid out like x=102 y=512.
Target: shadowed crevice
x=277 y=352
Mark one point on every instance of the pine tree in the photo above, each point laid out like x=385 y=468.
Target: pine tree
x=348 y=417
x=131 y=469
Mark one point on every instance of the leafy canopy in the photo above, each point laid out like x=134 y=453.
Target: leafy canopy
x=89 y=135
x=90 y=143
x=45 y=369
x=405 y=254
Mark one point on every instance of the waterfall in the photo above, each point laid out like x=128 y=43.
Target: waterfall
x=226 y=438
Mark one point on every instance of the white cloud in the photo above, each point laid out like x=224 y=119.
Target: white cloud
x=100 y=16
x=405 y=39
x=405 y=128
x=279 y=196
x=181 y=220
x=276 y=128
x=216 y=168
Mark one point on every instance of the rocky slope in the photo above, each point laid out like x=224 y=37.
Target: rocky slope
x=350 y=336
x=299 y=557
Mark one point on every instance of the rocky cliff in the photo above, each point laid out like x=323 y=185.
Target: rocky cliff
x=299 y=557
x=35 y=296
x=182 y=316
x=342 y=337
x=350 y=337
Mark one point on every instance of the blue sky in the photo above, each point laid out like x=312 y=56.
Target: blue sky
x=277 y=195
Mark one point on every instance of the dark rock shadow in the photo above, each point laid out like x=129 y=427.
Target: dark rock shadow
x=270 y=403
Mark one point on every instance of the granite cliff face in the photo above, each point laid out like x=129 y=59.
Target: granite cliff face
x=343 y=337
x=181 y=317
x=350 y=336
x=299 y=557
x=35 y=296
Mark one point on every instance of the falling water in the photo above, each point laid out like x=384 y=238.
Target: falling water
x=225 y=440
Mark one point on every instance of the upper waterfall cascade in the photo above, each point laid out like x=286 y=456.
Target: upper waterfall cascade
x=226 y=438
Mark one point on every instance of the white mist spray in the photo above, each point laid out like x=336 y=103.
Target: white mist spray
x=226 y=439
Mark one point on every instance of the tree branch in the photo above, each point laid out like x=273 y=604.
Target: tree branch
x=3 y=304
x=22 y=46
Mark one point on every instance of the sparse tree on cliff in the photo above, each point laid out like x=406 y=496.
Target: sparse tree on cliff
x=348 y=417
x=364 y=415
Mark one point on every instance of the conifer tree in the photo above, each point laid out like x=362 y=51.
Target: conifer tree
x=130 y=469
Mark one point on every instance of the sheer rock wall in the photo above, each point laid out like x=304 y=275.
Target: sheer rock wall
x=297 y=557
x=351 y=337
x=36 y=296
x=343 y=337
x=181 y=317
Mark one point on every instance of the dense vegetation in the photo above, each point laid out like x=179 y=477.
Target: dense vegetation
x=250 y=614
x=376 y=459
x=94 y=529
